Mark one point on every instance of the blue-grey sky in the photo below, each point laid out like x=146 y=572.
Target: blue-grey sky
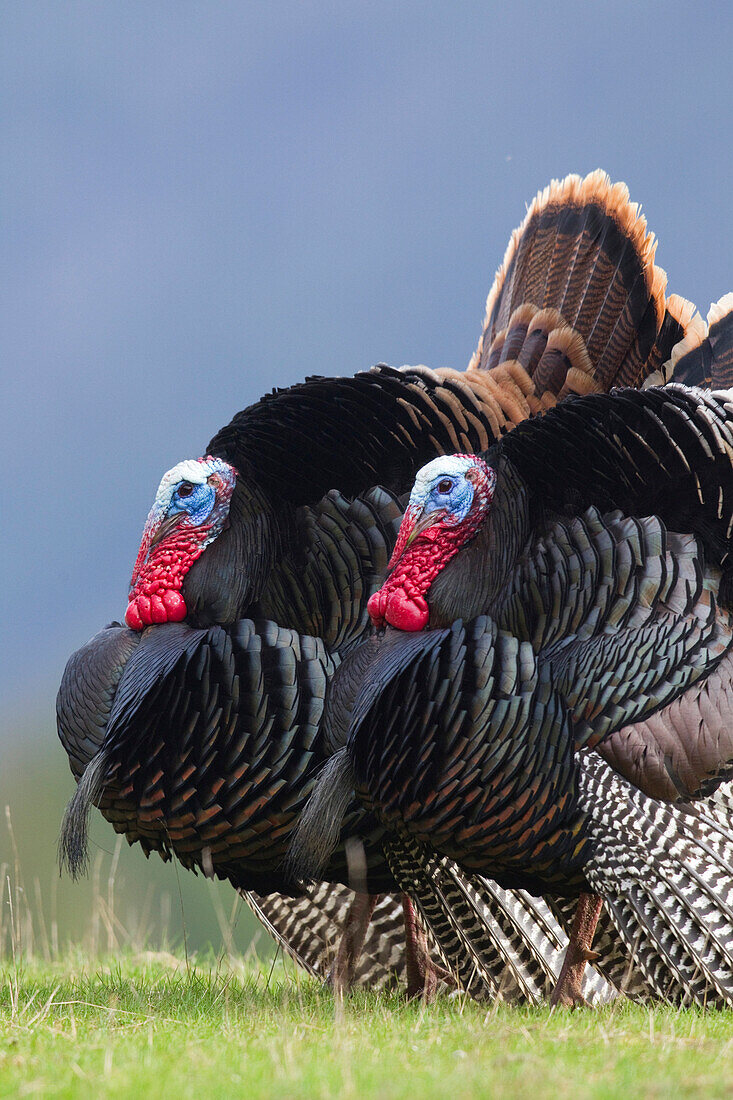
x=204 y=200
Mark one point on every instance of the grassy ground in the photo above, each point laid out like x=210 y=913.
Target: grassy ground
x=147 y=1026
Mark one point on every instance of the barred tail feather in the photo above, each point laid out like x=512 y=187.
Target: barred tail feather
x=473 y=960
x=309 y=929
x=667 y=876
x=682 y=326
x=537 y=926
x=495 y=942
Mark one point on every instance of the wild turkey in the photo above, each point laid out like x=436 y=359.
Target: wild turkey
x=205 y=743
x=585 y=258
x=580 y=621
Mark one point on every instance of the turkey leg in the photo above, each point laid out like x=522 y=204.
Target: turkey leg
x=422 y=973
x=568 y=991
x=352 y=941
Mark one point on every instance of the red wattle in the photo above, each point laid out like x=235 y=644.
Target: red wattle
x=407 y=612
x=158 y=612
x=396 y=607
x=376 y=606
x=175 y=605
x=155 y=595
x=132 y=616
x=142 y=611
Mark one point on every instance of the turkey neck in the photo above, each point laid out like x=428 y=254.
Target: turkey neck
x=231 y=574
x=476 y=580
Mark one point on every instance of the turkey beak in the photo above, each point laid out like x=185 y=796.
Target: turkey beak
x=165 y=529
x=423 y=521
x=427 y=519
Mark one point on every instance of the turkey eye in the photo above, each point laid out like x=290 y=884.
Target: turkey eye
x=185 y=489
x=445 y=486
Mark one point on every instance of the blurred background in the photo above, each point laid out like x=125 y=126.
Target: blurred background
x=201 y=201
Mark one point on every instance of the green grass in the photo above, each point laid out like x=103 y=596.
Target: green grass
x=147 y=1026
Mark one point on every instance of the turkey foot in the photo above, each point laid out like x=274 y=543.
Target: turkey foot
x=568 y=992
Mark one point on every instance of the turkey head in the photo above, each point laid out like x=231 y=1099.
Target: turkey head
x=458 y=502
x=190 y=511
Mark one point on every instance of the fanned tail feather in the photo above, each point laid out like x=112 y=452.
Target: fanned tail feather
x=578 y=304
x=704 y=356
x=681 y=327
x=720 y=335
